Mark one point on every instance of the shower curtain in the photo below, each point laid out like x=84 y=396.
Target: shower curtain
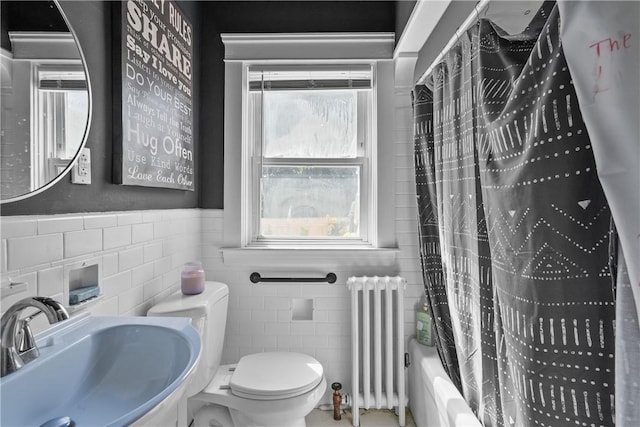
x=515 y=231
x=602 y=49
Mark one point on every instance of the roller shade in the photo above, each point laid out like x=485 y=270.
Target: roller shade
x=63 y=85
x=61 y=80
x=308 y=78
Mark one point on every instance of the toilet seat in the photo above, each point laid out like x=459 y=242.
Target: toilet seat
x=275 y=375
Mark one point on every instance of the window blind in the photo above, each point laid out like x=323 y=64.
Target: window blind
x=309 y=78
x=61 y=80
x=63 y=85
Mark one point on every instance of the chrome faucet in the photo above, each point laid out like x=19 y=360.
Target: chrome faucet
x=16 y=339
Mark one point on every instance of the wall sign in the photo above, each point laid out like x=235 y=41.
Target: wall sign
x=155 y=108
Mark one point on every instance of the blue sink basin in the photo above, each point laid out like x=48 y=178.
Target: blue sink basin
x=101 y=371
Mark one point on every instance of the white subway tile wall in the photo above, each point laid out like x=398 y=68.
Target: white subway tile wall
x=82 y=242
x=50 y=281
x=142 y=252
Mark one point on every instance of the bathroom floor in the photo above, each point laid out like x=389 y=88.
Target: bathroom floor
x=368 y=418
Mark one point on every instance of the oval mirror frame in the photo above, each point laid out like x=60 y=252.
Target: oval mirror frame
x=83 y=141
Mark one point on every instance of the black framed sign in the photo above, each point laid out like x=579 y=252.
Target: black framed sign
x=154 y=108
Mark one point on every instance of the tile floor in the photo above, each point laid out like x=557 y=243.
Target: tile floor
x=368 y=418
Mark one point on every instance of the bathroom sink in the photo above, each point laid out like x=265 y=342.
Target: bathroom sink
x=107 y=371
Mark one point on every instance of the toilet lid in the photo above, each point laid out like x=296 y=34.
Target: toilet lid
x=275 y=375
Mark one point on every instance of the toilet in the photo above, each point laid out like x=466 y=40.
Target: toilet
x=264 y=389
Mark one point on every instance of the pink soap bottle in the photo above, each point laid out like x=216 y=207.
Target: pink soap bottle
x=192 y=278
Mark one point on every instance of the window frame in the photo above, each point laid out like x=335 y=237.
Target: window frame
x=47 y=131
x=254 y=136
x=304 y=48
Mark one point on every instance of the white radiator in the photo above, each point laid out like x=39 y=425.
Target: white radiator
x=377 y=339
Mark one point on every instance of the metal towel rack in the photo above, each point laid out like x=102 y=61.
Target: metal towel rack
x=256 y=278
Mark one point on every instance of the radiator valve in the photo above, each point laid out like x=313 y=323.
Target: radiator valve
x=337 y=400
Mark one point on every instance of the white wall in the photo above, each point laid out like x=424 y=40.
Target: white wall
x=140 y=254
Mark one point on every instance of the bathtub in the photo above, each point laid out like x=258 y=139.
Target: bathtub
x=433 y=399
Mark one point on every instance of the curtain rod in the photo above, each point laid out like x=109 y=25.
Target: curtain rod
x=474 y=16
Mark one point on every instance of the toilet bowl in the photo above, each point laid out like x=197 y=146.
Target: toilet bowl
x=267 y=389
x=263 y=389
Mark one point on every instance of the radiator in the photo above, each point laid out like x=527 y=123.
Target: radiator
x=377 y=338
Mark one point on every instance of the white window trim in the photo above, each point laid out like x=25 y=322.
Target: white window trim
x=367 y=232
x=243 y=49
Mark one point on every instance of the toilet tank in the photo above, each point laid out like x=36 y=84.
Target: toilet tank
x=208 y=313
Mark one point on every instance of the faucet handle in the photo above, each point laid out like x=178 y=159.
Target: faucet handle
x=27 y=344
x=25 y=338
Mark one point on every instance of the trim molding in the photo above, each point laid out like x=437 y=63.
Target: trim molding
x=424 y=18
x=300 y=258
x=306 y=46
x=405 y=64
x=44 y=45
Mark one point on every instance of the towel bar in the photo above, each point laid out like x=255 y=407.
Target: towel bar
x=256 y=278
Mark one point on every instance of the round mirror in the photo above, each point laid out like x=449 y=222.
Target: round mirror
x=46 y=101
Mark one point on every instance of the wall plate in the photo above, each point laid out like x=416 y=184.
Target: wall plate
x=81 y=172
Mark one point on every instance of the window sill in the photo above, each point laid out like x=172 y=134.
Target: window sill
x=299 y=258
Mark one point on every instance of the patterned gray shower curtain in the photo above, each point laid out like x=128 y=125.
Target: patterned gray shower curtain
x=515 y=231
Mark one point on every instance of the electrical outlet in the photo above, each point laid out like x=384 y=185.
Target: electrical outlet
x=81 y=172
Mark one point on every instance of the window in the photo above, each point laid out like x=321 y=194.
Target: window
x=308 y=150
x=310 y=131
x=59 y=112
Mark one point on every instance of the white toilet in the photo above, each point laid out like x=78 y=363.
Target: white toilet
x=264 y=389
